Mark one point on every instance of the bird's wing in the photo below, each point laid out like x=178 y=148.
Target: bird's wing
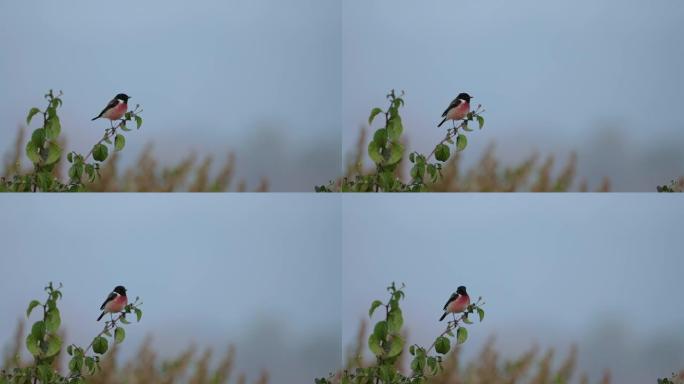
x=453 y=297
x=111 y=297
x=453 y=104
x=111 y=105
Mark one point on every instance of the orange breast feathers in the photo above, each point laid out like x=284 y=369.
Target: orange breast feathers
x=459 y=305
x=116 y=305
x=117 y=112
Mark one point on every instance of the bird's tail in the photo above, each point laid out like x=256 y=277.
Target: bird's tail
x=101 y=314
x=95 y=118
x=440 y=124
x=440 y=319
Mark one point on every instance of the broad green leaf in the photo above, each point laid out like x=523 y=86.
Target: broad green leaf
x=373 y=113
x=53 y=128
x=461 y=142
x=442 y=345
x=374 y=345
x=395 y=320
x=395 y=128
x=119 y=334
x=396 y=152
x=380 y=137
x=53 y=320
x=442 y=152
x=32 y=152
x=33 y=344
x=480 y=121
x=480 y=313
x=54 y=153
x=396 y=346
x=100 y=345
x=76 y=171
x=374 y=152
x=38 y=329
x=75 y=364
x=32 y=304
x=380 y=329
x=119 y=142
x=32 y=112
x=138 y=121
x=461 y=335
x=373 y=306
x=138 y=313
x=54 y=345
x=100 y=152
x=90 y=364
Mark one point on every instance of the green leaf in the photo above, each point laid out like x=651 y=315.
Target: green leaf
x=54 y=345
x=394 y=321
x=396 y=152
x=100 y=345
x=75 y=364
x=373 y=306
x=119 y=334
x=32 y=151
x=138 y=313
x=380 y=329
x=461 y=335
x=53 y=128
x=31 y=113
x=374 y=345
x=54 y=153
x=53 y=320
x=380 y=137
x=442 y=345
x=461 y=142
x=396 y=346
x=124 y=321
x=395 y=129
x=373 y=113
x=442 y=152
x=119 y=142
x=38 y=329
x=480 y=313
x=76 y=171
x=32 y=304
x=100 y=152
x=138 y=121
x=374 y=152
x=480 y=121
x=33 y=344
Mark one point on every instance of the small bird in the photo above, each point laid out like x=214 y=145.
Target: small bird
x=458 y=302
x=115 y=302
x=115 y=109
x=458 y=109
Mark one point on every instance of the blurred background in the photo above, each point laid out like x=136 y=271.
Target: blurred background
x=603 y=79
x=259 y=273
x=595 y=271
x=259 y=79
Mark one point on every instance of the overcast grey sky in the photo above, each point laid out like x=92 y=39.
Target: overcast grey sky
x=603 y=78
x=257 y=77
x=259 y=271
x=601 y=271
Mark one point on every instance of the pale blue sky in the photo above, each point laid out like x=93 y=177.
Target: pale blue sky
x=257 y=77
x=601 y=271
x=259 y=271
x=603 y=78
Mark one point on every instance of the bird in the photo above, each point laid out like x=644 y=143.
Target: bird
x=458 y=302
x=116 y=108
x=115 y=302
x=458 y=109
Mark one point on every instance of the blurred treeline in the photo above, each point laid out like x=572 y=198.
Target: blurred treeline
x=193 y=173
x=191 y=366
x=534 y=174
x=531 y=367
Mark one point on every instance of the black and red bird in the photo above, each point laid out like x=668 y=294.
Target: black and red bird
x=458 y=109
x=116 y=108
x=115 y=302
x=457 y=303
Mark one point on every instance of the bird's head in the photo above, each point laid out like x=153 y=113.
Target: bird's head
x=120 y=290
x=123 y=97
x=461 y=290
x=464 y=96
